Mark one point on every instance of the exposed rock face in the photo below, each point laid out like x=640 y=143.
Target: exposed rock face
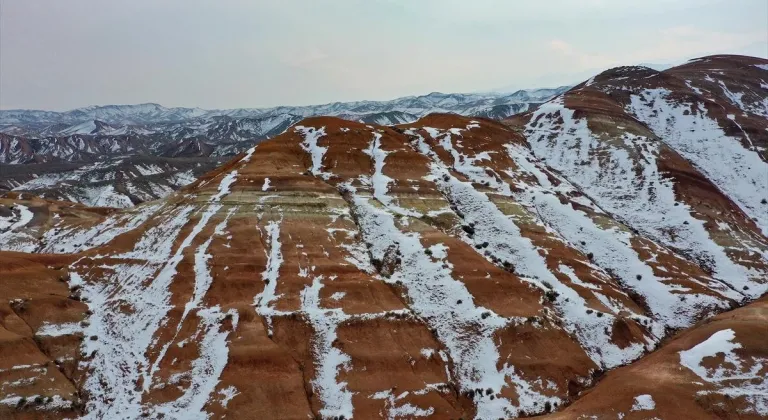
x=448 y=268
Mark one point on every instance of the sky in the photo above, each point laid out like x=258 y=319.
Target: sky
x=60 y=55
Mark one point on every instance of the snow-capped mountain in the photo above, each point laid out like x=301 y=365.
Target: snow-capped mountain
x=99 y=134
x=118 y=182
x=154 y=117
x=25 y=136
x=596 y=257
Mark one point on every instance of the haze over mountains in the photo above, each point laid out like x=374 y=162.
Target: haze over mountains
x=601 y=255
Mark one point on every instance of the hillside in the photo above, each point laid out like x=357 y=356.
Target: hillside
x=93 y=139
x=597 y=256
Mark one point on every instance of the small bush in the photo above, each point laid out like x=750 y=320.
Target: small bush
x=591 y=256
x=485 y=315
x=509 y=267
x=428 y=252
x=639 y=277
x=547 y=407
x=551 y=295
x=39 y=400
x=764 y=201
x=468 y=229
x=22 y=402
x=488 y=391
x=599 y=314
x=458 y=302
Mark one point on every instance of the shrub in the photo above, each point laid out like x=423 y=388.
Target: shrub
x=22 y=401
x=551 y=295
x=591 y=256
x=458 y=302
x=428 y=252
x=38 y=400
x=509 y=267
x=469 y=229
x=485 y=315
x=639 y=277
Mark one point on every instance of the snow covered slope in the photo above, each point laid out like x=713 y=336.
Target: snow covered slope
x=169 y=131
x=435 y=269
x=116 y=182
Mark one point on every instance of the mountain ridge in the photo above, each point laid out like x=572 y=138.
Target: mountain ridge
x=583 y=259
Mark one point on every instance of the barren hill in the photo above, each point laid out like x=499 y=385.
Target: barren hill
x=572 y=262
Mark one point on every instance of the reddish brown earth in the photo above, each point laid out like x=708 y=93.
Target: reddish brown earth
x=678 y=392
x=450 y=268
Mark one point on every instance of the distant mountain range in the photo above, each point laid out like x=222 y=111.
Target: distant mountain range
x=148 y=119
x=95 y=155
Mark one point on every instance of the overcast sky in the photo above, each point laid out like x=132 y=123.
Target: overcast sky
x=59 y=55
